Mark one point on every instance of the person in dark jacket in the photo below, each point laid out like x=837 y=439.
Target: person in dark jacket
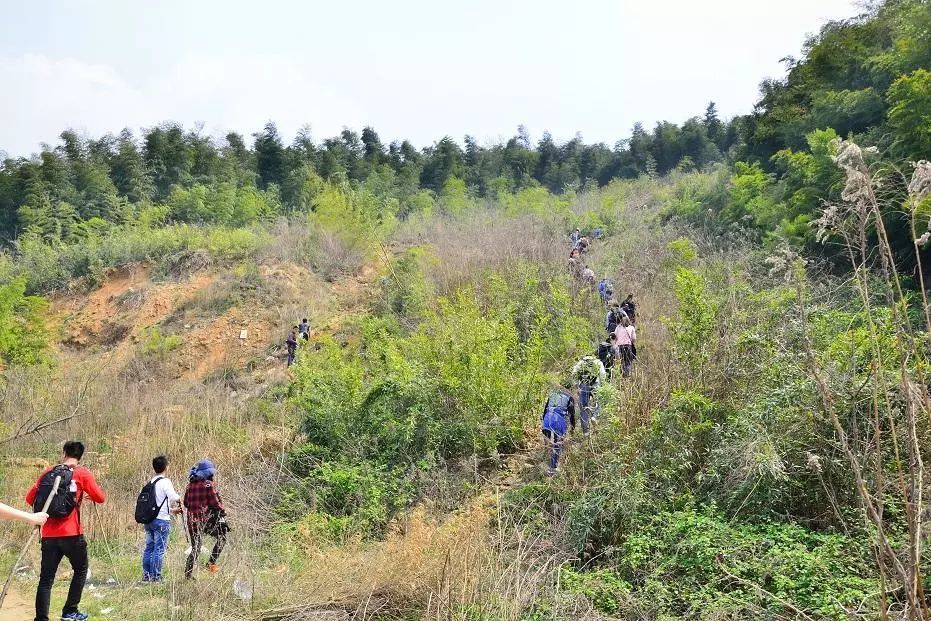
x=205 y=515
x=608 y=352
x=292 y=345
x=613 y=317
x=303 y=329
x=629 y=308
x=558 y=417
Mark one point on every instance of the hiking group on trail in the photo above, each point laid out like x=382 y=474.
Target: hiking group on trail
x=57 y=496
x=299 y=331
x=619 y=348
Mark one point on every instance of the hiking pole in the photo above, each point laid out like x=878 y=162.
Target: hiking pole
x=48 y=502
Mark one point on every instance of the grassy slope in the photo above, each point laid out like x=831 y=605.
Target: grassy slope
x=144 y=396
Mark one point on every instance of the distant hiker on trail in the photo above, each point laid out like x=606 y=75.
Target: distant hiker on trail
x=205 y=515
x=589 y=372
x=608 y=352
x=605 y=290
x=9 y=513
x=613 y=317
x=558 y=415
x=575 y=237
x=625 y=342
x=303 y=329
x=63 y=534
x=292 y=345
x=630 y=308
x=575 y=265
x=588 y=277
x=583 y=245
x=154 y=508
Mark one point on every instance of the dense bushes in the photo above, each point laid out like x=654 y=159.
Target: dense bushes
x=698 y=565
x=23 y=334
x=462 y=379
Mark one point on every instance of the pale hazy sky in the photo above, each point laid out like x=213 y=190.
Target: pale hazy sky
x=417 y=69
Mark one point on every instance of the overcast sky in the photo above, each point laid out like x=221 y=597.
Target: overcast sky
x=416 y=69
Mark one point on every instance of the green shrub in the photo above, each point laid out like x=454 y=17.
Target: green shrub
x=696 y=565
x=23 y=335
x=158 y=345
x=435 y=379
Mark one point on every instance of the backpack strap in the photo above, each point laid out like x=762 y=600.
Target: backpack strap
x=155 y=491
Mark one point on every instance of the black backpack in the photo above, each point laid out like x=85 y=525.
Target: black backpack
x=147 y=509
x=613 y=320
x=64 y=501
x=604 y=354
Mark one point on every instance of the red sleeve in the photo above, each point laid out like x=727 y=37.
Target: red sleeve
x=31 y=494
x=90 y=487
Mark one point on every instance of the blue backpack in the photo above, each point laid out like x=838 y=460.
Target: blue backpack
x=556 y=413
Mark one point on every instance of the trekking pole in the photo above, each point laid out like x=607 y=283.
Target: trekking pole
x=48 y=502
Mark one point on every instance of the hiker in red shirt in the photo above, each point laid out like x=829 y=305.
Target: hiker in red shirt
x=63 y=535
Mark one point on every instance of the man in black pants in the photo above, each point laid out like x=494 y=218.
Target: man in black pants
x=63 y=537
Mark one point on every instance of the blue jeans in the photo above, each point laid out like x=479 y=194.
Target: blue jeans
x=156 y=542
x=555 y=441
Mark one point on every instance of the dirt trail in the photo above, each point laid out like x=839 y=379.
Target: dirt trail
x=17 y=607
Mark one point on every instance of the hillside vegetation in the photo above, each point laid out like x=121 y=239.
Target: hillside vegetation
x=765 y=460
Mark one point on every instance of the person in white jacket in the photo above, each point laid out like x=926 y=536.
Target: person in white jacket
x=158 y=530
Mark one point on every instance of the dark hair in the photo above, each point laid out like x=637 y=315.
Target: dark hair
x=159 y=464
x=304 y=320
x=74 y=448
x=612 y=337
x=630 y=295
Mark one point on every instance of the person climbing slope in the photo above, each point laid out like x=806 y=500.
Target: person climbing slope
x=558 y=416
x=589 y=372
x=63 y=533
x=605 y=290
x=608 y=353
x=291 y=342
x=625 y=342
x=205 y=515
x=613 y=317
x=629 y=308
x=303 y=329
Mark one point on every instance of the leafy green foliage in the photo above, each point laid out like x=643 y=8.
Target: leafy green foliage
x=159 y=345
x=696 y=565
x=23 y=335
x=430 y=381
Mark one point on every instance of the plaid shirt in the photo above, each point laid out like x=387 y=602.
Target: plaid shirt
x=200 y=497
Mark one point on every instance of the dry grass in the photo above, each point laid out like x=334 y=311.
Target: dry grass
x=483 y=240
